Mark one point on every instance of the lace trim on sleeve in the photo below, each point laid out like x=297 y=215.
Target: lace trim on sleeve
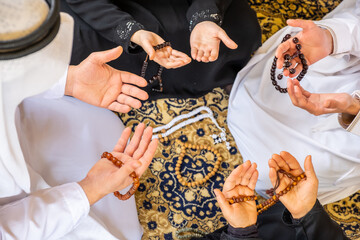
x=205 y=15
x=123 y=31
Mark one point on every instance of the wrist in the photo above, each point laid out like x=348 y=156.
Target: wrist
x=329 y=41
x=92 y=193
x=354 y=107
x=303 y=210
x=244 y=223
x=135 y=38
x=70 y=80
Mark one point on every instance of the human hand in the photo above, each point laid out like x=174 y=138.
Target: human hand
x=316 y=44
x=96 y=83
x=104 y=177
x=166 y=57
x=302 y=197
x=205 y=41
x=321 y=103
x=241 y=182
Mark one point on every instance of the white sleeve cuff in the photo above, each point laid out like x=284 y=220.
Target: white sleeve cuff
x=58 y=90
x=46 y=214
x=341 y=35
x=354 y=126
x=76 y=200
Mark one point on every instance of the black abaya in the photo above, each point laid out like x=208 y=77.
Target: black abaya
x=104 y=24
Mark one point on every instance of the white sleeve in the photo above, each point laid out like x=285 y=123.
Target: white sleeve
x=58 y=89
x=354 y=126
x=344 y=27
x=46 y=214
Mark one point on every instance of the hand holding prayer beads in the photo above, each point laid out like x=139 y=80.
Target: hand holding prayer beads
x=289 y=65
x=163 y=55
x=119 y=164
x=239 y=188
x=316 y=42
x=275 y=197
x=302 y=197
x=117 y=170
x=156 y=78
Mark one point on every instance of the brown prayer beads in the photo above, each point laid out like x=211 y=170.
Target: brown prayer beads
x=287 y=64
x=182 y=155
x=275 y=198
x=239 y=199
x=119 y=164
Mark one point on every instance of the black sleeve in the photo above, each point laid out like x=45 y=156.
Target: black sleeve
x=315 y=225
x=207 y=10
x=108 y=20
x=230 y=233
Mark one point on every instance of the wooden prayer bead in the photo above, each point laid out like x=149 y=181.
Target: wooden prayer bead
x=275 y=198
x=119 y=164
x=185 y=146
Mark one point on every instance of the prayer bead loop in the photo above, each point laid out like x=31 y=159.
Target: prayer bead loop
x=119 y=164
x=287 y=64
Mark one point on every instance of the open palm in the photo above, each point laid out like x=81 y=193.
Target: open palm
x=96 y=83
x=241 y=182
x=300 y=199
x=321 y=103
x=205 y=41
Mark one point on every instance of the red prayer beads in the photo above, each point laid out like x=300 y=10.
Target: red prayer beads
x=119 y=164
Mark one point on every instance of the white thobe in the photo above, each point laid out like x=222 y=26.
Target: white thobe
x=263 y=121
x=354 y=125
x=61 y=138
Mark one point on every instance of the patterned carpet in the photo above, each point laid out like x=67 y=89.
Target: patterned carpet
x=164 y=205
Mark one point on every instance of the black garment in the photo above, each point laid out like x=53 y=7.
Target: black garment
x=278 y=224
x=104 y=24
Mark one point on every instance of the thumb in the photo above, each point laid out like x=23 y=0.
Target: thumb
x=221 y=200
x=272 y=176
x=108 y=55
x=304 y=24
x=149 y=49
x=309 y=168
x=227 y=40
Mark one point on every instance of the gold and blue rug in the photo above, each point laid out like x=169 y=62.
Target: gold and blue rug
x=164 y=205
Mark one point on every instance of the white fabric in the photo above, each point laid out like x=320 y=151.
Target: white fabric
x=21 y=78
x=66 y=138
x=61 y=140
x=354 y=126
x=17 y=220
x=264 y=121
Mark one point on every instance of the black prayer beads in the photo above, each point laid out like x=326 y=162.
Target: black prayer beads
x=157 y=77
x=287 y=64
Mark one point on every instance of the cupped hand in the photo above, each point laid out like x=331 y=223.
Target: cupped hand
x=104 y=177
x=166 y=57
x=96 y=83
x=241 y=182
x=205 y=41
x=316 y=43
x=302 y=197
x=321 y=103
